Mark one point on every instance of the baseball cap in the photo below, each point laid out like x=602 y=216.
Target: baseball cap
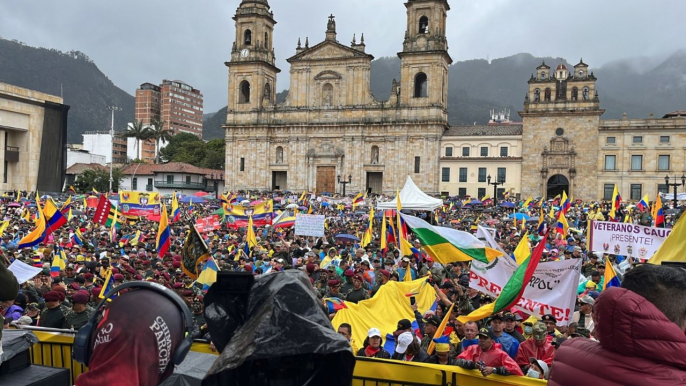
x=509 y=315
x=540 y=364
x=404 y=324
x=548 y=318
x=586 y=300
x=486 y=333
x=433 y=320
x=404 y=341
x=373 y=332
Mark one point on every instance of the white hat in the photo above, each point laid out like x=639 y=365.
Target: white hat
x=404 y=340
x=540 y=364
x=374 y=332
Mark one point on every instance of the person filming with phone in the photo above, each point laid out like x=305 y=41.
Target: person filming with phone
x=487 y=358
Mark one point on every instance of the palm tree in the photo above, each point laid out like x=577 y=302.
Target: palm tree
x=139 y=131
x=159 y=134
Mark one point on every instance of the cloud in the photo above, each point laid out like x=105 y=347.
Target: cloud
x=135 y=41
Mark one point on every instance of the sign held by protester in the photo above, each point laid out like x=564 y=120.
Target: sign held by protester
x=309 y=225
x=552 y=289
x=23 y=272
x=627 y=239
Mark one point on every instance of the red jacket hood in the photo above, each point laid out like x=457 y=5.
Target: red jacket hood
x=628 y=324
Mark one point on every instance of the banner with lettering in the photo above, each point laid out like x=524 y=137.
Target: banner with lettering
x=136 y=204
x=237 y=216
x=637 y=241
x=552 y=289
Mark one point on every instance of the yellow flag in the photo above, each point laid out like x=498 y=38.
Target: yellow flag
x=672 y=249
x=250 y=236
x=405 y=249
x=4 y=226
x=384 y=242
x=440 y=329
x=523 y=250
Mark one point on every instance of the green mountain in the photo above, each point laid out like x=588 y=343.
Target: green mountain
x=71 y=74
x=637 y=86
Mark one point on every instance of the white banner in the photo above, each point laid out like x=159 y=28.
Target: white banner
x=626 y=239
x=486 y=235
x=552 y=289
x=309 y=225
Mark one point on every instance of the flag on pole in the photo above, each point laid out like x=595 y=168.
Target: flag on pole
x=523 y=250
x=643 y=204
x=658 y=212
x=512 y=291
x=672 y=249
x=176 y=212
x=439 y=330
x=616 y=200
x=108 y=285
x=163 y=234
x=208 y=276
x=403 y=245
x=37 y=235
x=611 y=278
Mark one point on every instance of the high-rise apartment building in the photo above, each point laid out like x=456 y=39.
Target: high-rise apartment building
x=173 y=102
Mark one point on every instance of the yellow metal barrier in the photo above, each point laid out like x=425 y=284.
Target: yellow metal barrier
x=55 y=349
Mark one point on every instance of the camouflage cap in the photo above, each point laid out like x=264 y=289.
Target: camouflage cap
x=539 y=331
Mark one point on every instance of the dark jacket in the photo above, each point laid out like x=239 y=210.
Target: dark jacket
x=9 y=288
x=383 y=354
x=638 y=346
x=422 y=356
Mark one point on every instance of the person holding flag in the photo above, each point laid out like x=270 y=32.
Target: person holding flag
x=163 y=240
x=176 y=211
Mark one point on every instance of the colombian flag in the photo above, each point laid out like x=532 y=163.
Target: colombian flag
x=358 y=199
x=37 y=235
x=135 y=239
x=58 y=263
x=566 y=203
x=176 y=212
x=562 y=224
x=53 y=217
x=208 y=276
x=108 y=285
x=616 y=200
x=335 y=304
x=611 y=279
x=163 y=234
x=77 y=237
x=643 y=204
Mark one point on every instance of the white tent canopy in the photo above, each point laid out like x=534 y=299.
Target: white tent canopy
x=411 y=197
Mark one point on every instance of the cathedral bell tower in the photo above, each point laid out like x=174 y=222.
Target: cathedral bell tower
x=252 y=69
x=425 y=58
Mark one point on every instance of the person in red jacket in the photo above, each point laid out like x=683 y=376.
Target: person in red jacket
x=537 y=347
x=640 y=328
x=487 y=357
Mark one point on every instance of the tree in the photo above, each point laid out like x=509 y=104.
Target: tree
x=139 y=131
x=178 y=144
x=214 y=154
x=160 y=134
x=98 y=179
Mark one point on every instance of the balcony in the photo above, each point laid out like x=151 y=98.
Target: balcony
x=180 y=185
x=148 y=188
x=11 y=154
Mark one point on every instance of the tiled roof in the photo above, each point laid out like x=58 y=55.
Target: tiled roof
x=483 y=130
x=673 y=114
x=78 y=168
x=171 y=167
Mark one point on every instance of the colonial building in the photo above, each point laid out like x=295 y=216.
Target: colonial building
x=470 y=154
x=330 y=125
x=33 y=140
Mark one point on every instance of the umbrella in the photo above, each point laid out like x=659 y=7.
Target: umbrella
x=507 y=204
x=45 y=196
x=532 y=219
x=668 y=211
x=474 y=202
x=302 y=207
x=31 y=205
x=219 y=211
x=13 y=204
x=291 y=206
x=346 y=237
x=168 y=195
x=361 y=212
x=195 y=200
x=76 y=212
x=200 y=194
x=325 y=204
x=489 y=210
x=519 y=216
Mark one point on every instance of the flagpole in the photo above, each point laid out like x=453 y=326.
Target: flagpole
x=113 y=109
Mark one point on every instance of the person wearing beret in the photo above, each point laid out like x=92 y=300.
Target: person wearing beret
x=81 y=311
x=358 y=293
x=53 y=316
x=334 y=289
x=383 y=277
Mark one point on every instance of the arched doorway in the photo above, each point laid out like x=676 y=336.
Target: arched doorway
x=556 y=185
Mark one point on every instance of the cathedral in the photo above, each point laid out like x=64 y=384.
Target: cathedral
x=330 y=133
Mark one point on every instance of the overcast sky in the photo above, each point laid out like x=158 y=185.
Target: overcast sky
x=136 y=41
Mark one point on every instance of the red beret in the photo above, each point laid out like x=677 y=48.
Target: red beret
x=58 y=288
x=166 y=275
x=200 y=298
x=118 y=276
x=349 y=273
x=75 y=286
x=385 y=273
x=176 y=264
x=147 y=262
x=87 y=276
x=248 y=268
x=333 y=283
x=131 y=270
x=51 y=296
x=310 y=268
x=176 y=258
x=187 y=293
x=358 y=277
x=96 y=291
x=138 y=277
x=80 y=298
x=177 y=285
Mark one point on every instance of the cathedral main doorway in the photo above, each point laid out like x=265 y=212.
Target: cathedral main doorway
x=279 y=180
x=375 y=182
x=326 y=179
x=556 y=185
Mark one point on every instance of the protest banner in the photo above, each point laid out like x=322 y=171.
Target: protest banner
x=309 y=225
x=23 y=272
x=626 y=239
x=552 y=289
x=135 y=204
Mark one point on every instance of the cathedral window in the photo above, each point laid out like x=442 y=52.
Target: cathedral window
x=581 y=73
x=327 y=94
x=266 y=40
x=547 y=95
x=575 y=93
x=375 y=155
x=420 y=85
x=423 y=25
x=268 y=92
x=585 y=93
x=247 y=37
x=537 y=95
x=543 y=75
x=245 y=92
x=279 y=155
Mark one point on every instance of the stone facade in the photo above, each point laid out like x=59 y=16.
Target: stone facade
x=33 y=131
x=330 y=125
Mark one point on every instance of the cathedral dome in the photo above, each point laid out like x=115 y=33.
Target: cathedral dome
x=560 y=67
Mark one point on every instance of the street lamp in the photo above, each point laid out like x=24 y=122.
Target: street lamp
x=675 y=184
x=495 y=188
x=344 y=183
x=113 y=109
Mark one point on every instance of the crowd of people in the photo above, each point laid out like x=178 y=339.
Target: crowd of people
x=508 y=343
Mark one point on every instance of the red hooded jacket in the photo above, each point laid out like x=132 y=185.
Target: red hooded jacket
x=638 y=346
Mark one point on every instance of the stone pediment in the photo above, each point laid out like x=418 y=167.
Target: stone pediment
x=327 y=50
